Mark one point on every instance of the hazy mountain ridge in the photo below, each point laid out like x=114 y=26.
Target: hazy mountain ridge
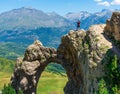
x=88 y=19
x=30 y=19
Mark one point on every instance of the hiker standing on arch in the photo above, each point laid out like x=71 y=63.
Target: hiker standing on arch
x=78 y=25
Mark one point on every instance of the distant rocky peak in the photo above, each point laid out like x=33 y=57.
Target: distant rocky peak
x=80 y=15
x=26 y=9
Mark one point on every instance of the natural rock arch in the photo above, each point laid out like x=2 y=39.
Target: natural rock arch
x=79 y=54
x=29 y=69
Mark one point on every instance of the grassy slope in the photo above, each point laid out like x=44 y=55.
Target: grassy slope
x=4 y=78
x=6 y=65
x=51 y=83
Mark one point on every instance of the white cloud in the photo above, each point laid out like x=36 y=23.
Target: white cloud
x=105 y=3
x=115 y=2
x=101 y=2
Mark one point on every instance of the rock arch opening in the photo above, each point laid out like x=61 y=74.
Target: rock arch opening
x=56 y=68
x=53 y=80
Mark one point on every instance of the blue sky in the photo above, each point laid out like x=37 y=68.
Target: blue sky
x=61 y=6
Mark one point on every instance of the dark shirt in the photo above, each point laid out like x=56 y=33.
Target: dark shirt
x=78 y=24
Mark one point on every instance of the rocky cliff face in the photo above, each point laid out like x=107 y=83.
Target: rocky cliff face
x=113 y=26
x=82 y=54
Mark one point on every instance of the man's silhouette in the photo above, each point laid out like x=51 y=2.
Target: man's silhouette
x=78 y=25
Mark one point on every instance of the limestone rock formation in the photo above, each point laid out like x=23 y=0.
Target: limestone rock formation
x=113 y=26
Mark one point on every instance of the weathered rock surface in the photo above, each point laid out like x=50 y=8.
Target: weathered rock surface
x=113 y=26
x=80 y=53
x=28 y=70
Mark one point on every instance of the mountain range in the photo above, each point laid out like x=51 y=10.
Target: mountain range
x=30 y=18
x=87 y=19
